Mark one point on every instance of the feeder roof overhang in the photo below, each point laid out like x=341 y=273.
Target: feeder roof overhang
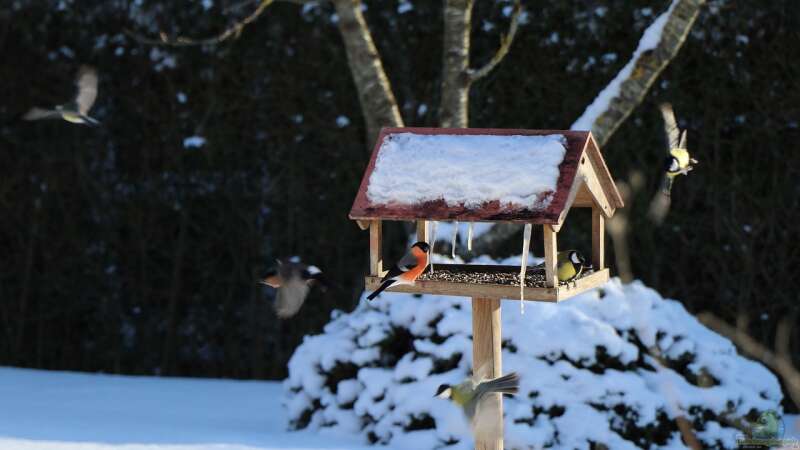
x=581 y=169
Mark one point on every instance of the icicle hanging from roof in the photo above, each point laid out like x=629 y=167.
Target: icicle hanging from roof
x=432 y=238
x=523 y=265
x=469 y=236
x=453 y=240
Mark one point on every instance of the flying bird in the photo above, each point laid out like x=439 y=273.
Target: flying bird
x=293 y=281
x=678 y=161
x=570 y=264
x=407 y=269
x=76 y=111
x=470 y=396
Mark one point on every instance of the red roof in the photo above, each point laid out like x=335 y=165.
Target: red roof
x=577 y=144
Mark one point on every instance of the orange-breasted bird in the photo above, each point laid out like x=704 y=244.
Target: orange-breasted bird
x=293 y=280
x=407 y=269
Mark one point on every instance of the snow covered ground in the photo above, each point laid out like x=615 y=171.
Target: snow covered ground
x=43 y=410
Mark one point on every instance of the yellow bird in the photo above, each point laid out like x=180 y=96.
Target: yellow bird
x=679 y=161
x=569 y=265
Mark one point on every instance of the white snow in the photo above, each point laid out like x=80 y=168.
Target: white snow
x=44 y=410
x=467 y=170
x=650 y=38
x=554 y=350
x=181 y=97
x=194 y=142
x=404 y=7
x=342 y=121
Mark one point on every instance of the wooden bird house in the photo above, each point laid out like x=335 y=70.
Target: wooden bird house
x=487 y=175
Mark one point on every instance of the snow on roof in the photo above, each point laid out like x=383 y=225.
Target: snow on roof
x=470 y=174
x=467 y=170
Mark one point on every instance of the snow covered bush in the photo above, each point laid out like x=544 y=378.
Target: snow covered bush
x=610 y=368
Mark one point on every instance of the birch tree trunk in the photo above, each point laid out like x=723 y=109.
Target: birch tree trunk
x=454 y=108
x=374 y=90
x=647 y=66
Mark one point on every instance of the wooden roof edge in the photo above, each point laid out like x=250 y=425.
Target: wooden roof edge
x=602 y=172
x=580 y=134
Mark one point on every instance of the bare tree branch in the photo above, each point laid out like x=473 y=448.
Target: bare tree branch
x=454 y=106
x=505 y=45
x=233 y=31
x=779 y=362
x=628 y=88
x=374 y=90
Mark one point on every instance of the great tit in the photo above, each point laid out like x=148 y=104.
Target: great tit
x=406 y=270
x=569 y=265
x=76 y=111
x=678 y=161
x=469 y=395
x=293 y=281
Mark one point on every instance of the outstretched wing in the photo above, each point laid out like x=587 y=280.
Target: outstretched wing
x=670 y=126
x=291 y=296
x=39 y=113
x=87 y=89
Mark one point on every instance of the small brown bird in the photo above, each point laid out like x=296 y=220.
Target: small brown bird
x=76 y=111
x=293 y=281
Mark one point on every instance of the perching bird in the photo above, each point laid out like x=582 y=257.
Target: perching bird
x=76 y=111
x=678 y=161
x=293 y=280
x=407 y=269
x=569 y=265
x=767 y=427
x=469 y=395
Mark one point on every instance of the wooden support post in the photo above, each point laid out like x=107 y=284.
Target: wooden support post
x=422 y=231
x=375 y=248
x=598 y=239
x=487 y=356
x=550 y=257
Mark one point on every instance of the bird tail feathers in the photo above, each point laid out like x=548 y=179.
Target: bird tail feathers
x=385 y=285
x=507 y=384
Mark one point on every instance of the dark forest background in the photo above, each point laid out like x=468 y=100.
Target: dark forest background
x=123 y=251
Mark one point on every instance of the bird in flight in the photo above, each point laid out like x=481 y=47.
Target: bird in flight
x=678 y=161
x=293 y=281
x=76 y=111
x=471 y=395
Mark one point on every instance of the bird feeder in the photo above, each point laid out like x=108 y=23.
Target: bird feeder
x=527 y=177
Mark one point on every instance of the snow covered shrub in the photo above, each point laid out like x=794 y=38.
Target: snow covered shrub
x=611 y=368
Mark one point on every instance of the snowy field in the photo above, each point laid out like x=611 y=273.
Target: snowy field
x=42 y=410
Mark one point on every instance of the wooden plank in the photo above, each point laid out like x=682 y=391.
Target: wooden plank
x=590 y=180
x=375 y=247
x=598 y=239
x=363 y=224
x=550 y=256
x=584 y=198
x=487 y=362
x=422 y=231
x=584 y=284
x=603 y=175
x=503 y=291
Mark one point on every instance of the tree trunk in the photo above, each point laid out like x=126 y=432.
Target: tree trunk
x=454 y=108
x=374 y=90
x=647 y=66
